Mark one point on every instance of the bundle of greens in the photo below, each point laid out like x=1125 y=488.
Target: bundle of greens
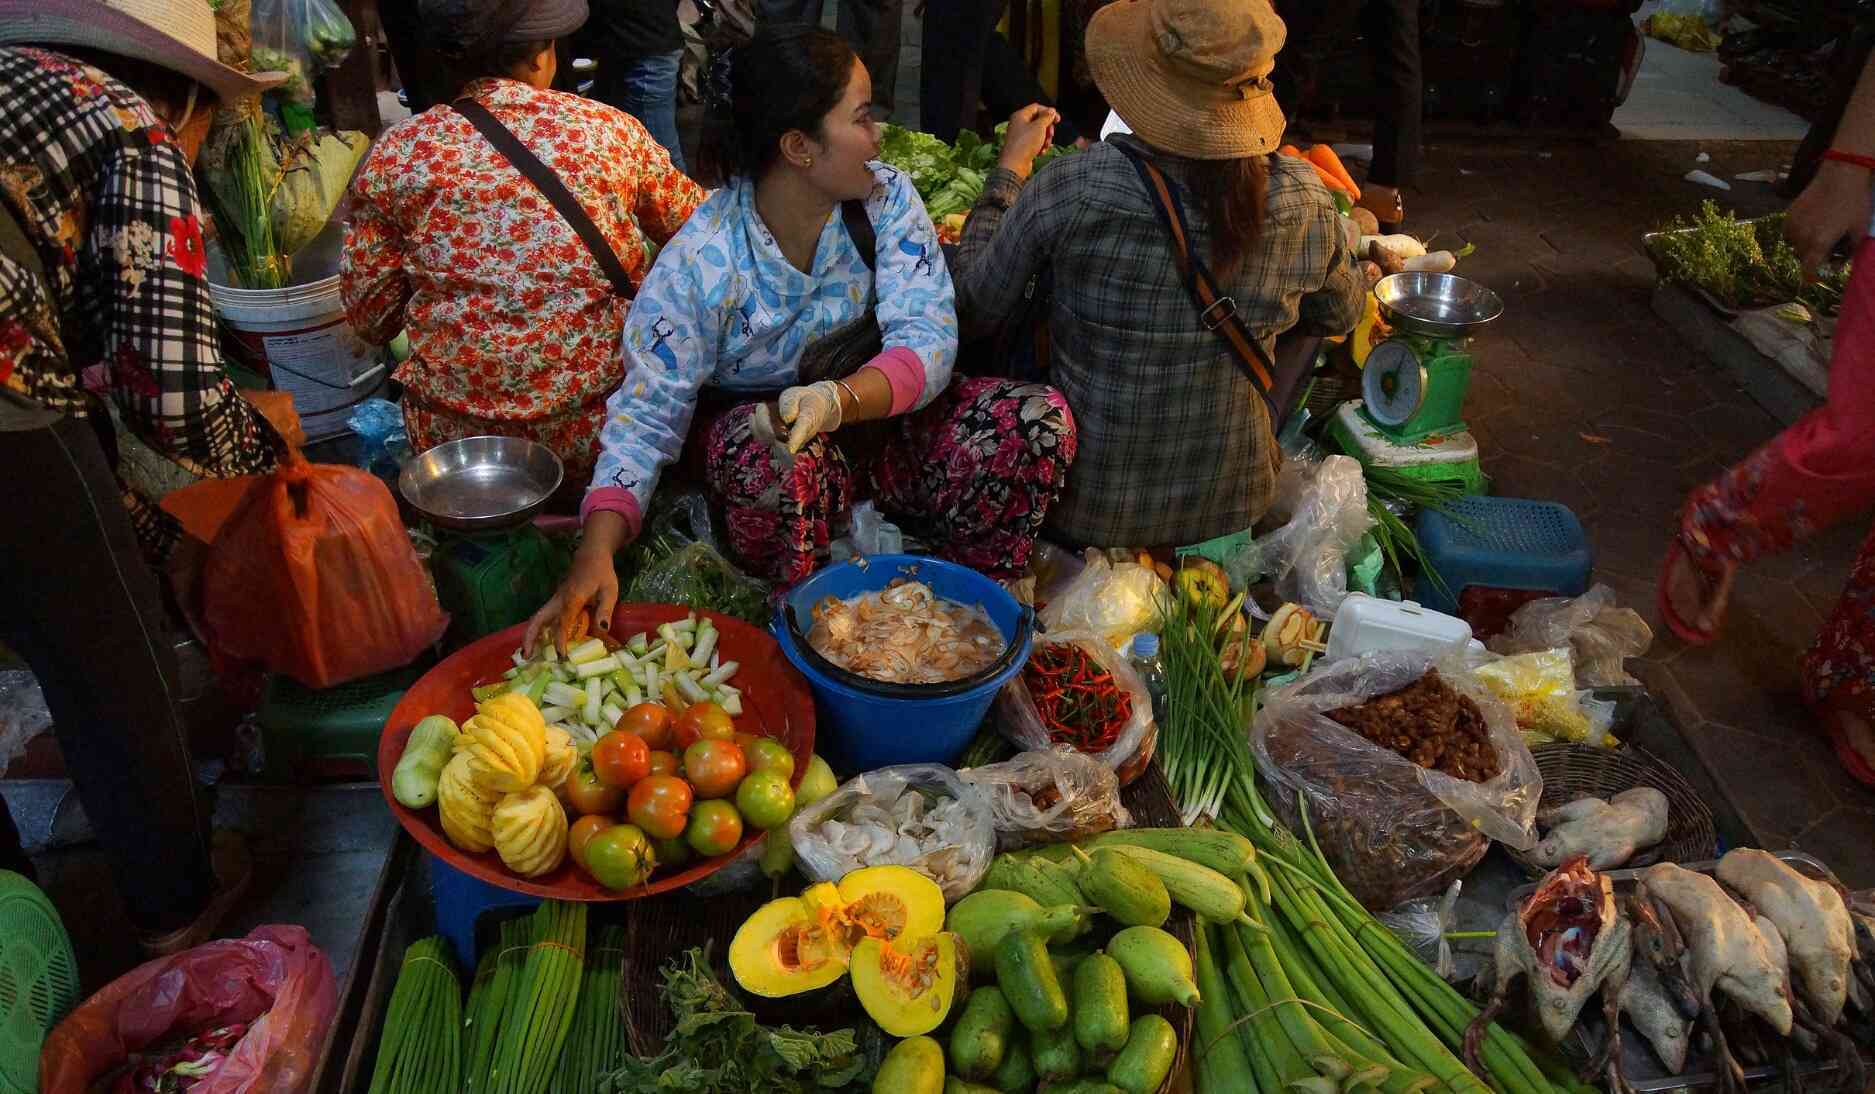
x=1743 y=263
x=717 y=1047
x=420 y=1051
x=949 y=178
x=489 y=999
x=595 y=1046
x=538 y=1009
x=1399 y=544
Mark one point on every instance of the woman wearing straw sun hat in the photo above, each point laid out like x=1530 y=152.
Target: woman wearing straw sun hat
x=102 y=296
x=1178 y=253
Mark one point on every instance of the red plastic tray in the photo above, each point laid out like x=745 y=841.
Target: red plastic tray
x=775 y=703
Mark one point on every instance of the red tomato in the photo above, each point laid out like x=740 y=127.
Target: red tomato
x=581 y=834
x=587 y=795
x=714 y=768
x=660 y=804
x=702 y=722
x=715 y=828
x=652 y=721
x=664 y=763
x=621 y=857
x=621 y=759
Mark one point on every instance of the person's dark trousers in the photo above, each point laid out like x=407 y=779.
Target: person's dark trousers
x=978 y=66
x=85 y=612
x=421 y=71
x=1391 y=30
x=872 y=26
x=645 y=88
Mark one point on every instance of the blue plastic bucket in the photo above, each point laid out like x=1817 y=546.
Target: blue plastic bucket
x=859 y=730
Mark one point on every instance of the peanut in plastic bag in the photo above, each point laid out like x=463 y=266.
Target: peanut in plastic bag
x=1052 y=795
x=924 y=816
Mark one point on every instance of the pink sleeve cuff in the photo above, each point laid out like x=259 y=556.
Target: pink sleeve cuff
x=905 y=373
x=614 y=499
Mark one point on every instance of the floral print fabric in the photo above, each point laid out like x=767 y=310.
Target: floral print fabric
x=724 y=307
x=513 y=325
x=105 y=197
x=972 y=474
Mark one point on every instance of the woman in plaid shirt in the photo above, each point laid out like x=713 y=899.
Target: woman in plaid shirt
x=1176 y=445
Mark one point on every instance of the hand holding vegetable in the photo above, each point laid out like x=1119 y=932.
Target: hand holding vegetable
x=806 y=412
x=1835 y=206
x=1031 y=129
x=591 y=586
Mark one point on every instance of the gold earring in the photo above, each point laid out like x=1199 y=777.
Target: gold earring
x=810 y=162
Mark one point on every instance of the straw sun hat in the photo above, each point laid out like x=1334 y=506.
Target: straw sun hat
x=1190 y=77
x=178 y=35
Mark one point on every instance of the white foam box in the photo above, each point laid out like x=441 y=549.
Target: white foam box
x=1365 y=624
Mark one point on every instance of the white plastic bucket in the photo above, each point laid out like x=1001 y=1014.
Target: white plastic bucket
x=298 y=338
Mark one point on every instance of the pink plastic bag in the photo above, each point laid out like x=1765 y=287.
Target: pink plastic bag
x=275 y=981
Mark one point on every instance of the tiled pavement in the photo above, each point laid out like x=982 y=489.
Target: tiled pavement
x=1583 y=396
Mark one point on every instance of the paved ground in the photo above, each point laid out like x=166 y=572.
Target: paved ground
x=1583 y=396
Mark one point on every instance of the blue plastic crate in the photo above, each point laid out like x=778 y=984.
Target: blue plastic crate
x=1502 y=543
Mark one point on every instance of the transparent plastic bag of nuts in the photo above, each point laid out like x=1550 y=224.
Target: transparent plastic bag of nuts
x=1055 y=795
x=1392 y=830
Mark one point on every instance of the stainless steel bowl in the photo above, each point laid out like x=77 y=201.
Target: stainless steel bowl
x=1439 y=304
x=481 y=484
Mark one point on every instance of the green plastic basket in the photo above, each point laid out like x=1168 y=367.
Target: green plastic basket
x=331 y=732
x=38 y=979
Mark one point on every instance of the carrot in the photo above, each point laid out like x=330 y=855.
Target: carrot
x=1291 y=150
x=1324 y=157
x=574 y=628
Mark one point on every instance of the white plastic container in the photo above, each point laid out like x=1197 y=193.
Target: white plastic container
x=1365 y=624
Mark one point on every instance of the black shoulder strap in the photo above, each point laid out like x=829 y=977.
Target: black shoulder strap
x=1218 y=313
x=551 y=188
x=859 y=227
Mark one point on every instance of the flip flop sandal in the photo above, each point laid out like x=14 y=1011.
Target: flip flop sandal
x=1682 y=629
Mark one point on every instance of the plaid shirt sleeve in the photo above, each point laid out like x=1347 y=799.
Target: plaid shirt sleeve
x=1007 y=242
x=161 y=349
x=1335 y=307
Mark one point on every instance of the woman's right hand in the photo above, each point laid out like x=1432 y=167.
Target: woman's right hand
x=1030 y=131
x=591 y=585
x=1834 y=207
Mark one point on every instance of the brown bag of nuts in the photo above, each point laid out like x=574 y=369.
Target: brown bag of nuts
x=1410 y=769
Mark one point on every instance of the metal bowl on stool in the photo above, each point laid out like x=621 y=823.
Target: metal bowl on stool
x=1441 y=305
x=481 y=484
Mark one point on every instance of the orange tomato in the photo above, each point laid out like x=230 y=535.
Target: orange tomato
x=652 y=721
x=713 y=768
x=621 y=759
x=660 y=804
x=581 y=834
x=663 y=763
x=703 y=721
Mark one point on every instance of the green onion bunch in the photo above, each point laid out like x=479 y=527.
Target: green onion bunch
x=540 y=1008
x=595 y=1046
x=420 y=1051
x=489 y=999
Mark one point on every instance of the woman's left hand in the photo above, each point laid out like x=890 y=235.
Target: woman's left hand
x=1030 y=131
x=806 y=412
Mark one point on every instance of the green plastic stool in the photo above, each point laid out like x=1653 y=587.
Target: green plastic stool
x=38 y=979
x=329 y=732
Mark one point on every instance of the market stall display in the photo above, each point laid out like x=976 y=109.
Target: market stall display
x=501 y=817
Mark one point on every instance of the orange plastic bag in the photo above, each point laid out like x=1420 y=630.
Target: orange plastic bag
x=314 y=576
x=275 y=982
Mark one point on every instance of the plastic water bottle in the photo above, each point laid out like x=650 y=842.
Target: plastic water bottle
x=1146 y=662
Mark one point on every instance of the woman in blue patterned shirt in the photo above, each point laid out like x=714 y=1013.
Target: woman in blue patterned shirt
x=745 y=334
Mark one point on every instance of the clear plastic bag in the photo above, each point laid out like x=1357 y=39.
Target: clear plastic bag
x=1049 y=796
x=1307 y=556
x=1424 y=924
x=1113 y=601
x=865 y=823
x=23 y=713
x=697 y=576
x=1392 y=830
x=1540 y=689
x=1602 y=633
x=275 y=981
x=301 y=38
x=1021 y=724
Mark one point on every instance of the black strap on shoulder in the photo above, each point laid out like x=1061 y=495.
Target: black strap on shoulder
x=551 y=188
x=859 y=227
x=1218 y=313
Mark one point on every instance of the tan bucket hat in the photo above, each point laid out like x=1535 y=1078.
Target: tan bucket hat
x=178 y=35
x=1191 y=77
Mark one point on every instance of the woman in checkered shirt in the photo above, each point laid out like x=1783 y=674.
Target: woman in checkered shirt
x=1176 y=444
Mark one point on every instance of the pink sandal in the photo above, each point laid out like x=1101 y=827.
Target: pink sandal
x=1682 y=629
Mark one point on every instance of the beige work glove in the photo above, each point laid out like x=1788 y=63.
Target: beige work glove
x=806 y=412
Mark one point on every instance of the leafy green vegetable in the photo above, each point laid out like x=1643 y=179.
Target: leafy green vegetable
x=950 y=178
x=718 y=1048
x=1743 y=263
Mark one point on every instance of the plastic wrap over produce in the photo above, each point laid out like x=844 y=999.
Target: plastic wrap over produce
x=1602 y=634
x=1053 y=795
x=924 y=816
x=1114 y=602
x=1540 y=689
x=1018 y=720
x=23 y=713
x=1392 y=830
x=1307 y=557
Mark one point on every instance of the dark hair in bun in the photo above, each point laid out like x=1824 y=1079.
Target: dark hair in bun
x=469 y=36
x=789 y=76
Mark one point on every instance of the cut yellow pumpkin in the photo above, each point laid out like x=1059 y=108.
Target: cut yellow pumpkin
x=908 y=986
x=887 y=902
x=787 y=948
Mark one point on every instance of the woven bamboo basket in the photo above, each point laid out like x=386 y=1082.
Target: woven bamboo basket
x=1572 y=771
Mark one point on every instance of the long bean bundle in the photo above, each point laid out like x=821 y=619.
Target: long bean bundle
x=490 y=998
x=1322 y=996
x=420 y=1051
x=534 y=1026
x=595 y=1046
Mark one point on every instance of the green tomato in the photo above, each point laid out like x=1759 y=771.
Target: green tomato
x=620 y=857
x=672 y=853
x=765 y=799
x=768 y=754
x=715 y=828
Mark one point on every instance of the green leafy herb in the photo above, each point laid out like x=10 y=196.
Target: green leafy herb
x=949 y=178
x=717 y=1047
x=1743 y=263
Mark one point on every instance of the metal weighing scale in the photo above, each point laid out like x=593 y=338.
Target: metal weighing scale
x=493 y=567
x=1413 y=385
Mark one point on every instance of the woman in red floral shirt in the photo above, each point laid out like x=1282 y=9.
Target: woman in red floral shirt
x=514 y=327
